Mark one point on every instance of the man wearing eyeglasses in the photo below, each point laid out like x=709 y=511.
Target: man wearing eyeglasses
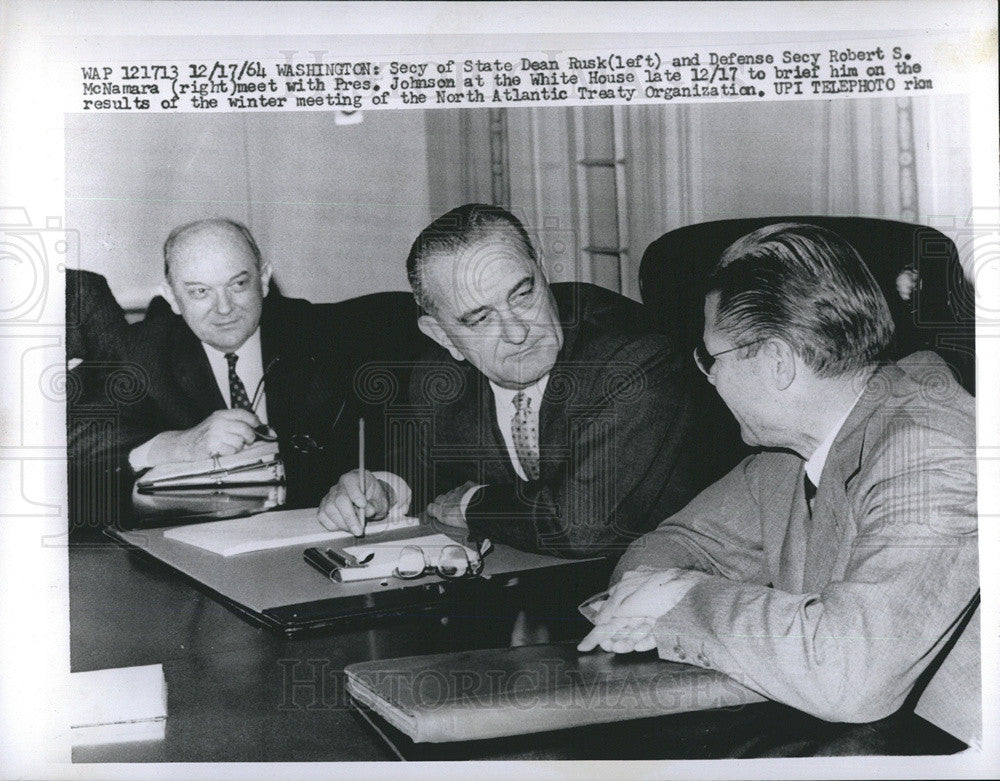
x=554 y=422
x=228 y=364
x=836 y=570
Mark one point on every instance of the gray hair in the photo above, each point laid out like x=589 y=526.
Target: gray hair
x=809 y=287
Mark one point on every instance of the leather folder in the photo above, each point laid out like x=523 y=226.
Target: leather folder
x=493 y=693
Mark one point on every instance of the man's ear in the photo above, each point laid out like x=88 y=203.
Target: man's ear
x=265 y=277
x=781 y=362
x=168 y=293
x=432 y=329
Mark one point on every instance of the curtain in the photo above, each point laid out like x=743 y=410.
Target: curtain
x=688 y=163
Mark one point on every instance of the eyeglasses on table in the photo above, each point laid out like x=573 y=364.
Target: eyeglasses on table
x=452 y=562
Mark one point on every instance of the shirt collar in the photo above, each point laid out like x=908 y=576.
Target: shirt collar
x=504 y=397
x=250 y=347
x=816 y=462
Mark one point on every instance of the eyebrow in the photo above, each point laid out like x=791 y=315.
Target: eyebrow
x=472 y=313
x=233 y=278
x=529 y=279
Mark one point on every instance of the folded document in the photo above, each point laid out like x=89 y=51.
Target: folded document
x=255 y=465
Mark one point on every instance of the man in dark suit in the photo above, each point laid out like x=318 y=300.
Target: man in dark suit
x=98 y=375
x=551 y=421
x=836 y=570
x=226 y=360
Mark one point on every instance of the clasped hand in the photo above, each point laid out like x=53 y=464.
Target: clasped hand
x=626 y=619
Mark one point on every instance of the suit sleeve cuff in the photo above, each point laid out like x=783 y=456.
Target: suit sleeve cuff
x=463 y=505
x=138 y=458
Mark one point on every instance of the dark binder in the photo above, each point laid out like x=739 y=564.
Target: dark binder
x=493 y=693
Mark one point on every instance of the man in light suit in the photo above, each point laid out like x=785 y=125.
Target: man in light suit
x=226 y=357
x=836 y=570
x=554 y=422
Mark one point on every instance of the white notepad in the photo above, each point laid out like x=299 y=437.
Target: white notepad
x=387 y=555
x=276 y=529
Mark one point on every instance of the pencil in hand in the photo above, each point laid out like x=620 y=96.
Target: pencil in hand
x=361 y=468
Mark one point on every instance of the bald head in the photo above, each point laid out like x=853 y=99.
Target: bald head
x=216 y=281
x=206 y=229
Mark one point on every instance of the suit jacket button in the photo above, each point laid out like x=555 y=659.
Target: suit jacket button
x=703 y=659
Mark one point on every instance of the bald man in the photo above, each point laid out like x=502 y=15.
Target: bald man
x=228 y=359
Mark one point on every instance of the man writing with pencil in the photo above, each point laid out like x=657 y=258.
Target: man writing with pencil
x=552 y=421
x=230 y=362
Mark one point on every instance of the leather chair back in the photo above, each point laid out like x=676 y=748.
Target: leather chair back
x=939 y=314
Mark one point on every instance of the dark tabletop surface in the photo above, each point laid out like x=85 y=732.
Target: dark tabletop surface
x=237 y=692
x=240 y=693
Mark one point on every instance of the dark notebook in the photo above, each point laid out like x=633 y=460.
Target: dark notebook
x=494 y=693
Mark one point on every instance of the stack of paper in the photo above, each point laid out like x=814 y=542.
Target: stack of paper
x=258 y=464
x=117 y=705
x=271 y=530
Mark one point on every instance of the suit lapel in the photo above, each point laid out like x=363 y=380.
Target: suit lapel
x=466 y=431
x=277 y=369
x=833 y=516
x=553 y=417
x=777 y=517
x=831 y=521
x=193 y=374
x=491 y=438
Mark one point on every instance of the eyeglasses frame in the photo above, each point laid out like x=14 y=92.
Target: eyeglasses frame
x=707 y=370
x=474 y=570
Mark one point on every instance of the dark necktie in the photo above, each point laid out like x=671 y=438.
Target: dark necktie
x=810 y=494
x=237 y=391
x=524 y=432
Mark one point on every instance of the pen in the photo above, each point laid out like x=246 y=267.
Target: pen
x=361 y=467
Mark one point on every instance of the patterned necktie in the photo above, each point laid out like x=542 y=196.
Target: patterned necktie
x=237 y=392
x=524 y=432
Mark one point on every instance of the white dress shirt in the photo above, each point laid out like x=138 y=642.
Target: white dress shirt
x=249 y=367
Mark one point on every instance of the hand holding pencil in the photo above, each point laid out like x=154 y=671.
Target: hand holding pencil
x=361 y=470
x=347 y=506
x=356 y=497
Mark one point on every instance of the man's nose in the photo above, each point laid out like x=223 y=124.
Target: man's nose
x=223 y=305
x=513 y=329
